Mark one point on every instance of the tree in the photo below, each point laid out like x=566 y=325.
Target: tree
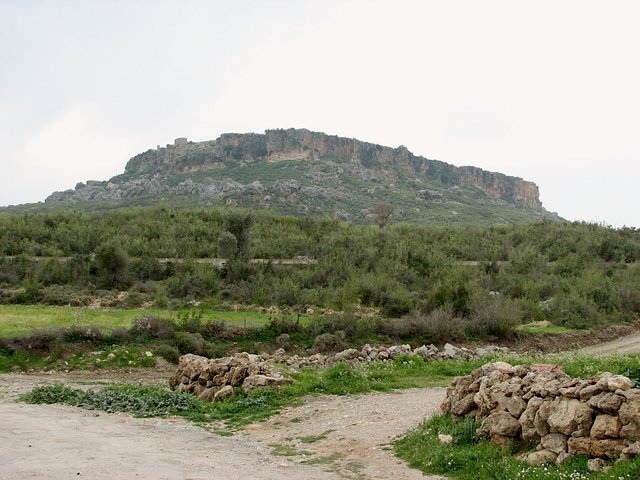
x=111 y=263
x=238 y=224
x=383 y=213
x=227 y=245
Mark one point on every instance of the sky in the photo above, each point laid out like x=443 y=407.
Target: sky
x=548 y=90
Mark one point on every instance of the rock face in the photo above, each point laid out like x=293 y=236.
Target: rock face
x=598 y=417
x=219 y=171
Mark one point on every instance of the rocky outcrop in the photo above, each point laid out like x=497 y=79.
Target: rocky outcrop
x=366 y=161
x=598 y=417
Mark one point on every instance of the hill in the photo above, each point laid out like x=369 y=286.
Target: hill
x=300 y=172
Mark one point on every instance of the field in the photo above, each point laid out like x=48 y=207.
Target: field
x=20 y=320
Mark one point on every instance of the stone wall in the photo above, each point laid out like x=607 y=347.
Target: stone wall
x=598 y=417
x=214 y=379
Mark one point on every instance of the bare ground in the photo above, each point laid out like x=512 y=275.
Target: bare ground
x=346 y=437
x=628 y=344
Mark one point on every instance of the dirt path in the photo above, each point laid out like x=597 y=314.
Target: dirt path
x=58 y=442
x=350 y=435
x=628 y=344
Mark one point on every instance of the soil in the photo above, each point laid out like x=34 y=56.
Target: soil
x=347 y=437
x=553 y=343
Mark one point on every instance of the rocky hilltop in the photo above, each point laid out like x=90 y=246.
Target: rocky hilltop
x=302 y=172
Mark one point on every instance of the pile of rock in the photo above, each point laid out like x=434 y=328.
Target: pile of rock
x=214 y=379
x=369 y=354
x=599 y=417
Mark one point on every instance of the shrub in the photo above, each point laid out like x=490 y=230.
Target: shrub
x=120 y=335
x=5 y=346
x=189 y=321
x=438 y=326
x=153 y=327
x=493 y=317
x=283 y=341
x=169 y=353
x=213 y=329
x=328 y=342
x=39 y=341
x=190 y=343
x=80 y=334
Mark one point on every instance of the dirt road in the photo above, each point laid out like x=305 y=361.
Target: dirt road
x=346 y=437
x=628 y=344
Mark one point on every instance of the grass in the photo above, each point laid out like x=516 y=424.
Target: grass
x=469 y=459
x=19 y=320
x=315 y=438
x=536 y=329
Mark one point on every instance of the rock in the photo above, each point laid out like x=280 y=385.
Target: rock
x=563 y=457
x=224 y=392
x=446 y=439
x=527 y=418
x=540 y=457
x=425 y=352
x=463 y=406
x=540 y=421
x=597 y=465
x=255 y=381
x=207 y=394
x=629 y=414
x=606 y=448
x=607 y=402
x=500 y=423
x=630 y=452
x=606 y=426
x=570 y=416
x=612 y=383
x=589 y=391
x=516 y=406
x=556 y=442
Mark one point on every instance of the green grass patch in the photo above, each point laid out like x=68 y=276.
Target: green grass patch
x=315 y=438
x=20 y=320
x=287 y=450
x=466 y=458
x=537 y=329
x=326 y=460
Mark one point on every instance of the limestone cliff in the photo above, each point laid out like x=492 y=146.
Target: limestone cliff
x=312 y=173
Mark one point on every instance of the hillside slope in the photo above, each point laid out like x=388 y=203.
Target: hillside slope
x=300 y=172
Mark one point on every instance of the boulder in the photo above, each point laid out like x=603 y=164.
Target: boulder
x=224 y=392
x=500 y=423
x=600 y=448
x=556 y=442
x=529 y=431
x=606 y=426
x=540 y=457
x=570 y=416
x=629 y=414
x=255 y=381
x=607 y=402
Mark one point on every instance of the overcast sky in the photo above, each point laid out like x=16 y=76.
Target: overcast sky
x=548 y=90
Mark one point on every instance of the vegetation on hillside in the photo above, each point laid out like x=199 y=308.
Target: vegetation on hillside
x=477 y=281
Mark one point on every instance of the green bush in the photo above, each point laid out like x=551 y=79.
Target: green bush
x=169 y=353
x=190 y=343
x=330 y=342
x=147 y=328
x=494 y=316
